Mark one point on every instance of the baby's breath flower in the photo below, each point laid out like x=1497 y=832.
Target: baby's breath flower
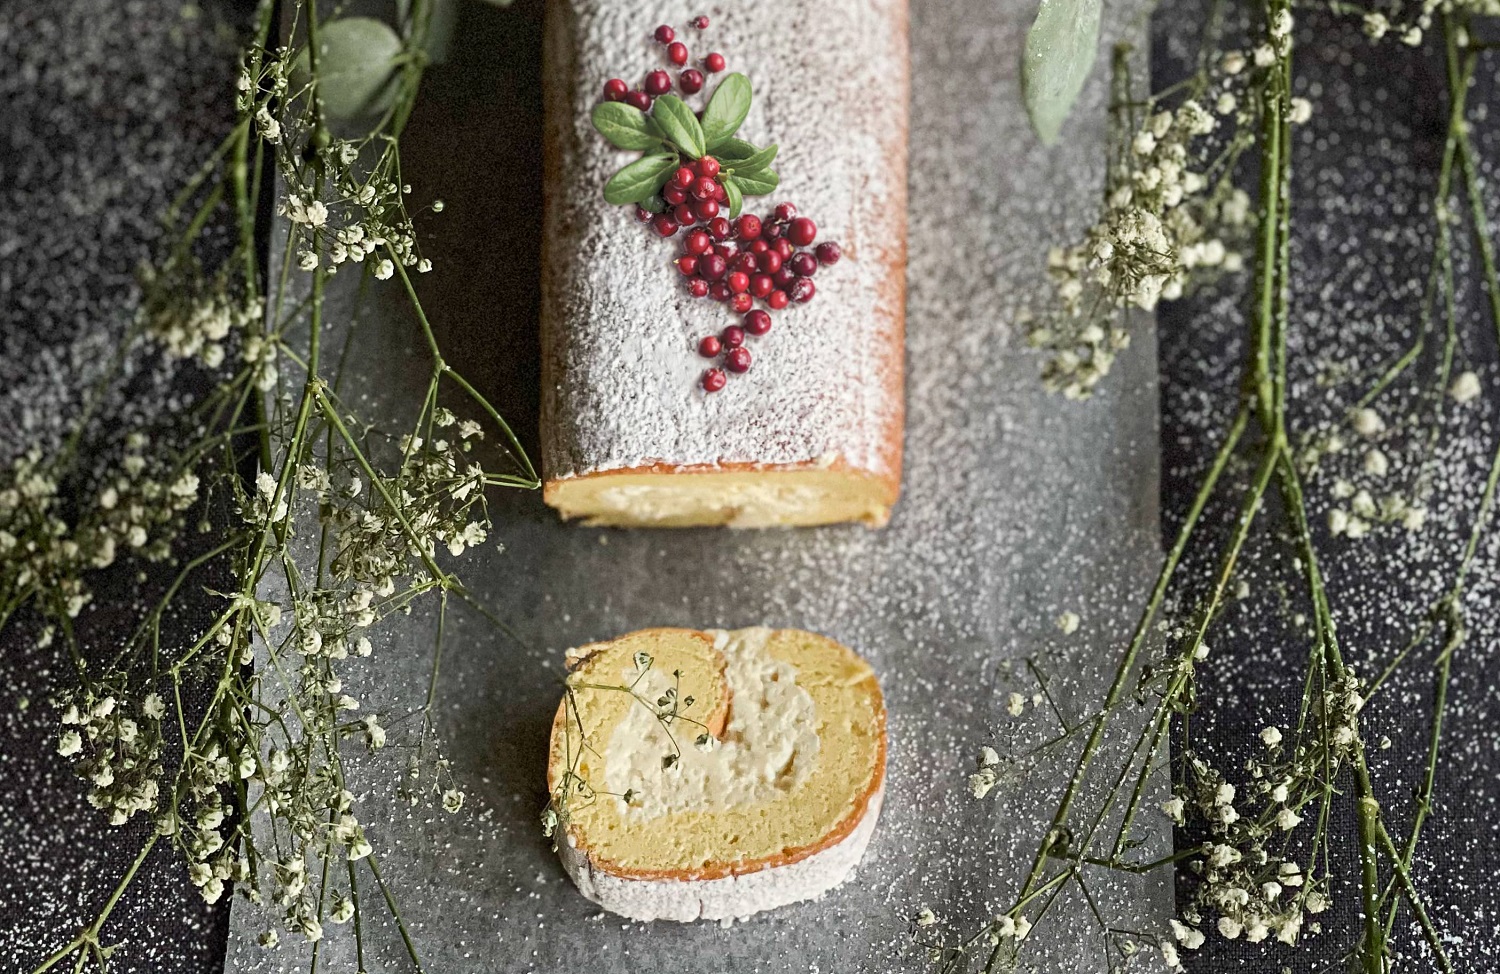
x=1465 y=388
x=70 y=743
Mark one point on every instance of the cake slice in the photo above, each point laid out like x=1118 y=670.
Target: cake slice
x=712 y=775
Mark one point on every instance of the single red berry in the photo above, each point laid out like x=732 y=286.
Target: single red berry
x=703 y=187
x=683 y=214
x=719 y=291
x=665 y=34
x=698 y=243
x=734 y=336
x=690 y=81
x=804 y=264
x=777 y=300
x=744 y=263
x=738 y=359
x=803 y=289
x=748 y=226
x=757 y=322
x=739 y=281
x=719 y=227
x=657 y=83
x=758 y=247
x=644 y=215
x=664 y=224
x=761 y=285
x=684 y=177
x=706 y=209
x=785 y=212
x=829 y=253
x=638 y=99
x=714 y=379
x=783 y=248
x=770 y=229
x=784 y=277
x=710 y=347
x=615 y=89
x=721 y=195
x=770 y=261
x=700 y=22
x=677 y=52
x=711 y=267
x=673 y=194
x=726 y=250
x=698 y=287
x=708 y=166
x=741 y=303
x=688 y=265
x=714 y=63
x=802 y=231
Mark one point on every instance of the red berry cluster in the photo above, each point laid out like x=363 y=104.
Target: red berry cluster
x=750 y=259
x=659 y=82
x=769 y=259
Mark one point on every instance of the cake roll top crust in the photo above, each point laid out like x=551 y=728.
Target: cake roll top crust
x=620 y=333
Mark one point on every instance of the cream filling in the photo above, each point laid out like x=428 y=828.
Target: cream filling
x=770 y=742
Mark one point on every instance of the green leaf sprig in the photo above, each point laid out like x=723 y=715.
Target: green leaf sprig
x=673 y=134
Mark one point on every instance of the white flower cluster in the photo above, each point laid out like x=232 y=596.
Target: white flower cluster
x=119 y=754
x=1166 y=223
x=439 y=497
x=365 y=217
x=1245 y=876
x=140 y=508
x=191 y=321
x=199 y=824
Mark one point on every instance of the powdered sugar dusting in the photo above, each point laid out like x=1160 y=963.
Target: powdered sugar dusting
x=620 y=331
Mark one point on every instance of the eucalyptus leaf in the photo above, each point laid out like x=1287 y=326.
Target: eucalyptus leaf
x=678 y=123
x=754 y=163
x=626 y=126
x=731 y=151
x=358 y=58
x=726 y=110
x=1060 y=51
x=757 y=183
x=736 y=198
x=641 y=179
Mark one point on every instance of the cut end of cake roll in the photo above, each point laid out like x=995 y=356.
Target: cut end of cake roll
x=713 y=775
x=805 y=496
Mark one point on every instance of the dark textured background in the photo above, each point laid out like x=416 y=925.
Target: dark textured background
x=107 y=106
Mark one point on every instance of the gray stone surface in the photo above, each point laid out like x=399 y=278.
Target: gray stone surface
x=1017 y=506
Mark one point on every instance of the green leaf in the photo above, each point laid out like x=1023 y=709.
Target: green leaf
x=726 y=110
x=653 y=204
x=755 y=163
x=678 y=123
x=1060 y=51
x=731 y=151
x=358 y=58
x=626 y=126
x=641 y=179
x=757 y=183
x=736 y=198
